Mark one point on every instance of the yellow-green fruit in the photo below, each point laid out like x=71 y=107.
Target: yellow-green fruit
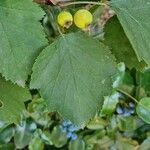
x=65 y=19
x=83 y=18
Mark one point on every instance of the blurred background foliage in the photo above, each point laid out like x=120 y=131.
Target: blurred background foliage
x=115 y=127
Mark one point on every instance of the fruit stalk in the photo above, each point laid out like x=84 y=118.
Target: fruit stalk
x=84 y=2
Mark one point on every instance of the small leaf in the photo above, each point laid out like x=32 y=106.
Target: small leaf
x=119 y=76
x=110 y=103
x=97 y=124
x=134 y=18
x=125 y=144
x=8 y=146
x=38 y=111
x=104 y=143
x=143 y=80
x=36 y=144
x=145 y=145
x=143 y=109
x=58 y=138
x=12 y=99
x=6 y=134
x=24 y=134
x=127 y=84
x=77 y=144
x=127 y=123
x=73 y=74
x=46 y=137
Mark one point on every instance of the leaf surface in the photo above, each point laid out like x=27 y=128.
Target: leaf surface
x=120 y=46
x=110 y=103
x=12 y=99
x=21 y=38
x=73 y=74
x=134 y=17
x=143 y=109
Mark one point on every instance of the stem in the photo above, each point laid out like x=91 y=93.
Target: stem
x=125 y=93
x=84 y=2
x=60 y=31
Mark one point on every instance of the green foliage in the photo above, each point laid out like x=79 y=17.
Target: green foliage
x=12 y=100
x=6 y=134
x=145 y=145
x=120 y=46
x=77 y=144
x=143 y=109
x=21 y=38
x=58 y=138
x=134 y=18
x=36 y=143
x=23 y=134
x=110 y=104
x=9 y=146
x=75 y=96
x=76 y=76
x=143 y=80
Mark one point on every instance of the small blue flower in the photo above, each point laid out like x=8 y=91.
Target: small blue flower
x=120 y=110
x=66 y=123
x=69 y=134
x=131 y=111
x=63 y=129
x=74 y=136
x=131 y=105
x=72 y=128
x=69 y=128
x=126 y=112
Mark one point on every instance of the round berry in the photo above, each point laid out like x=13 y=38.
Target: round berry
x=83 y=18
x=65 y=19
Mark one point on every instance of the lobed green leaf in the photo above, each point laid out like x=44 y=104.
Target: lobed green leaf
x=73 y=74
x=134 y=18
x=22 y=38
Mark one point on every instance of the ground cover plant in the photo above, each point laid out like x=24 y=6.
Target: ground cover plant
x=75 y=74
